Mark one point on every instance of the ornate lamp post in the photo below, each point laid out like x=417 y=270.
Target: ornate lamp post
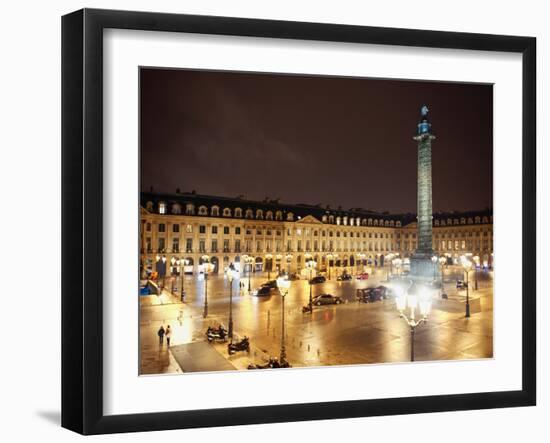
x=248 y=261
x=283 y=283
x=397 y=262
x=207 y=268
x=310 y=265
x=417 y=300
x=330 y=257
x=467 y=265
x=231 y=274
x=184 y=262
x=476 y=261
x=270 y=258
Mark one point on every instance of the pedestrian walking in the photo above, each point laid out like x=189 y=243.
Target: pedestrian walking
x=168 y=334
x=161 y=333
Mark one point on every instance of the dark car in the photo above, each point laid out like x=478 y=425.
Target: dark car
x=317 y=279
x=326 y=299
x=370 y=295
x=294 y=276
x=461 y=284
x=263 y=290
x=344 y=277
x=272 y=284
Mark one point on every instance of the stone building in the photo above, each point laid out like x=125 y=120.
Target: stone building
x=271 y=236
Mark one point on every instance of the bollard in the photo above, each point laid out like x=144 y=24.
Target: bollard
x=318 y=352
x=308 y=348
x=300 y=344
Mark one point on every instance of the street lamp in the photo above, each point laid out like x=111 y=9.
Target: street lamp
x=207 y=268
x=476 y=261
x=283 y=283
x=231 y=274
x=310 y=265
x=184 y=262
x=467 y=265
x=413 y=300
x=397 y=262
x=270 y=258
x=248 y=261
x=330 y=257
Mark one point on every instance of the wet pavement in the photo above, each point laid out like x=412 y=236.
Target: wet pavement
x=350 y=333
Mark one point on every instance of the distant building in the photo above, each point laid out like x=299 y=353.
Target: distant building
x=275 y=236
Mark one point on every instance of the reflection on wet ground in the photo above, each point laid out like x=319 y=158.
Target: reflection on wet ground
x=350 y=333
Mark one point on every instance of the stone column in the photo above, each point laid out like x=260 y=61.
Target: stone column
x=422 y=267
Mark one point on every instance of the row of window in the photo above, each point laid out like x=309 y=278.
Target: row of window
x=259 y=214
x=259 y=246
x=214 y=229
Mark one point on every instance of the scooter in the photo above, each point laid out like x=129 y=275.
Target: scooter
x=214 y=334
x=243 y=345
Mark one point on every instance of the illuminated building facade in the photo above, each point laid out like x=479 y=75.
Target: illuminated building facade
x=273 y=236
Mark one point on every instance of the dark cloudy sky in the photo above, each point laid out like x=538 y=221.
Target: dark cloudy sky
x=335 y=141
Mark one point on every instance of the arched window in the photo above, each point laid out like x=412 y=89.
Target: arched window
x=176 y=208
x=190 y=209
x=226 y=212
x=238 y=212
x=375 y=222
x=392 y=223
x=249 y=213
x=331 y=218
x=215 y=211
x=162 y=208
x=269 y=215
x=259 y=214
x=279 y=215
x=398 y=224
x=290 y=216
x=203 y=210
x=338 y=220
x=149 y=206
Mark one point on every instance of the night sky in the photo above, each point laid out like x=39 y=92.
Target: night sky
x=335 y=141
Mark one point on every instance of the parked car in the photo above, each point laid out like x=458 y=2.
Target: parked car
x=326 y=299
x=363 y=276
x=460 y=284
x=344 y=277
x=263 y=290
x=372 y=294
x=272 y=284
x=317 y=279
x=294 y=276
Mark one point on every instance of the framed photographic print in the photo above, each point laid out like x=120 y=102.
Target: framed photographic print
x=269 y=221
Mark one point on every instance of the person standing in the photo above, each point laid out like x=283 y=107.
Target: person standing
x=168 y=334
x=161 y=333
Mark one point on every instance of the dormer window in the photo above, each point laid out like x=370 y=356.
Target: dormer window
x=226 y=212
x=485 y=220
x=176 y=208
x=269 y=215
x=290 y=216
x=370 y=222
x=190 y=209
x=203 y=210
x=398 y=224
x=278 y=215
x=324 y=219
x=259 y=214
x=162 y=208
x=478 y=219
x=249 y=213
x=215 y=210
x=149 y=206
x=238 y=212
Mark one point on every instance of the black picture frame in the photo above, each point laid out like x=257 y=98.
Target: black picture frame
x=82 y=218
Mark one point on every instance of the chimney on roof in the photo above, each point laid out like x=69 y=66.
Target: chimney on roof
x=178 y=191
x=193 y=192
x=150 y=188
